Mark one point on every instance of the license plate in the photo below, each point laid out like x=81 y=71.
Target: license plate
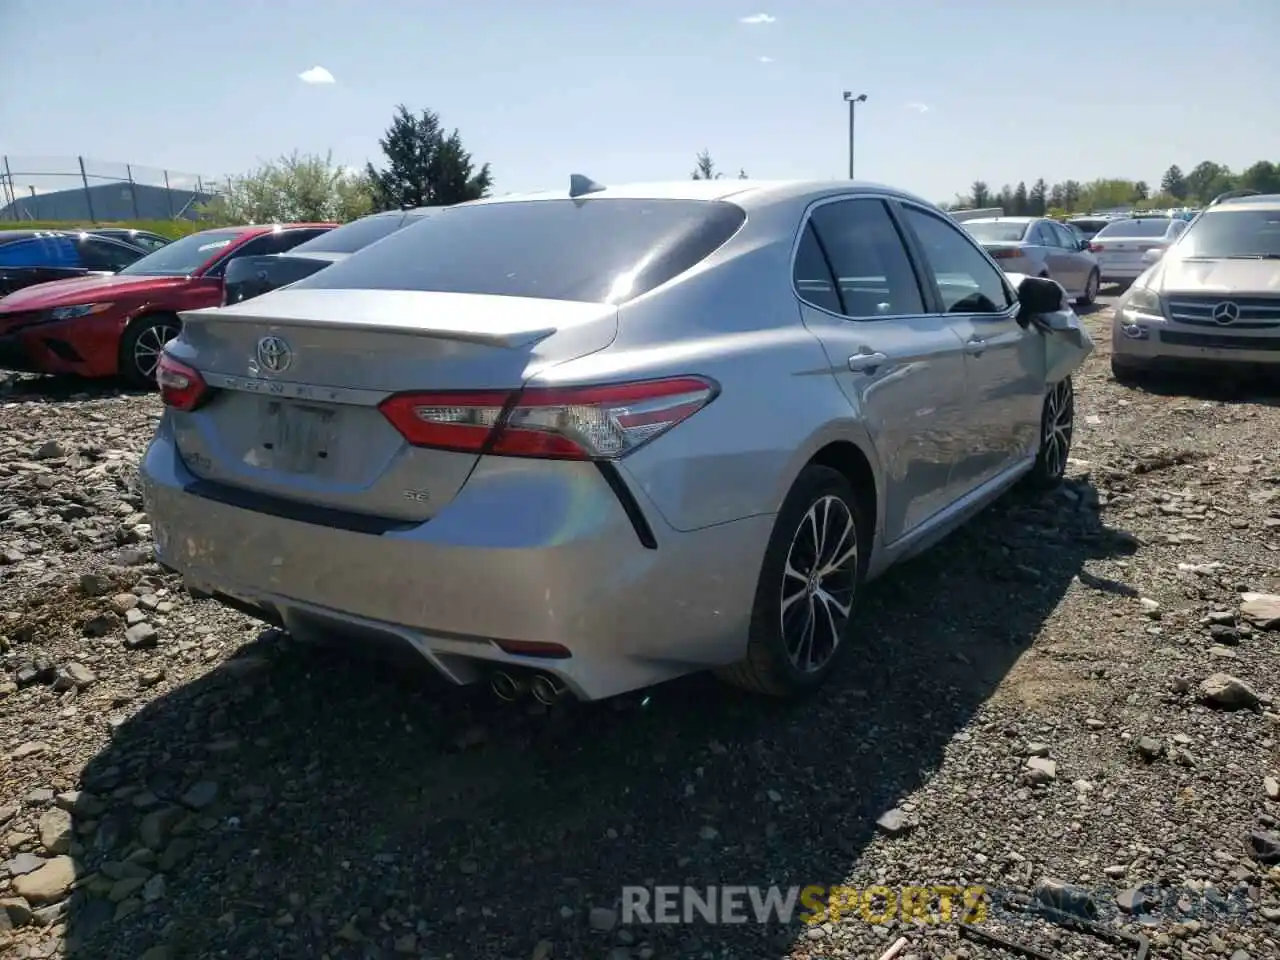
x=297 y=438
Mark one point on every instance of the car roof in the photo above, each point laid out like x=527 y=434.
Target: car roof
x=1264 y=201
x=257 y=229
x=1004 y=220
x=746 y=193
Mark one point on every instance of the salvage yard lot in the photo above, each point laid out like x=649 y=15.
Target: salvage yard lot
x=176 y=783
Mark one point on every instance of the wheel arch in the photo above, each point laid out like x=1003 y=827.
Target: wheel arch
x=134 y=322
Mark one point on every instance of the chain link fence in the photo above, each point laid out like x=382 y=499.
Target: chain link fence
x=95 y=191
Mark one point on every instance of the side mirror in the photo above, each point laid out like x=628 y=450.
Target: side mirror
x=1084 y=244
x=1153 y=255
x=1037 y=295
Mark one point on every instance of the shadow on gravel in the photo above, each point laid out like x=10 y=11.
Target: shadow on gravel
x=60 y=388
x=300 y=803
x=1261 y=388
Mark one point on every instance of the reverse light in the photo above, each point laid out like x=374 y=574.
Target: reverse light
x=181 y=386
x=602 y=422
x=78 y=310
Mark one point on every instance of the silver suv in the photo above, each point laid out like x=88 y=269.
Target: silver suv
x=1211 y=299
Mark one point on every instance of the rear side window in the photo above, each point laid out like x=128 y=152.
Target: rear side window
x=592 y=250
x=812 y=276
x=967 y=281
x=40 y=252
x=874 y=276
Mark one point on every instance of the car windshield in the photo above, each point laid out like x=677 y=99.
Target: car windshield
x=996 y=231
x=358 y=234
x=1232 y=232
x=595 y=250
x=183 y=257
x=1151 y=227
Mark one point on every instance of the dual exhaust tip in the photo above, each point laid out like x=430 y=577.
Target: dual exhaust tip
x=545 y=688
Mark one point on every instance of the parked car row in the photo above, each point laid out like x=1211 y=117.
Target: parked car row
x=105 y=309
x=588 y=440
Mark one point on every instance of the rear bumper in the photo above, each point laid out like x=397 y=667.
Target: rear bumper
x=1180 y=347
x=560 y=564
x=87 y=347
x=1117 y=271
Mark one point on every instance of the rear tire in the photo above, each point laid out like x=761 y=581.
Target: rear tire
x=1091 y=287
x=812 y=575
x=1057 y=426
x=141 y=345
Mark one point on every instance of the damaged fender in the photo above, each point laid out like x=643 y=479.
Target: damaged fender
x=1044 y=306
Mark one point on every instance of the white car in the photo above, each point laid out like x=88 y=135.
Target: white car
x=1122 y=246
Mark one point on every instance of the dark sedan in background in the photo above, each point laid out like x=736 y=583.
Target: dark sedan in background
x=145 y=239
x=29 y=257
x=250 y=277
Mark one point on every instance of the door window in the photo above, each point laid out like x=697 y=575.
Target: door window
x=1066 y=239
x=1042 y=236
x=967 y=281
x=46 y=251
x=874 y=276
x=99 y=254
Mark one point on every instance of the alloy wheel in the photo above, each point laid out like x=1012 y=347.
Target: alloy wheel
x=818 y=583
x=1059 y=424
x=148 y=347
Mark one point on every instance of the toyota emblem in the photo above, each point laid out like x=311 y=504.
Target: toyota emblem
x=1226 y=312
x=274 y=354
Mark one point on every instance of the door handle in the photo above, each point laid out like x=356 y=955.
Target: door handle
x=975 y=346
x=867 y=362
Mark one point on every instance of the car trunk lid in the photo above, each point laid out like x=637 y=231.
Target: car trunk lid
x=298 y=375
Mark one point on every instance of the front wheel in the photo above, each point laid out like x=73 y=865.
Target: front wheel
x=812 y=573
x=142 y=344
x=1057 y=425
x=1090 y=290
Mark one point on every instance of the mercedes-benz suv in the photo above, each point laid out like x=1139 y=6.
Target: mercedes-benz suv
x=1211 y=299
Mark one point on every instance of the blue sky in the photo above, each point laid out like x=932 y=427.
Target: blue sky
x=995 y=89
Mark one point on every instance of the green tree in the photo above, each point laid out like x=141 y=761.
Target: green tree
x=1208 y=179
x=705 y=168
x=1055 y=198
x=425 y=167
x=1037 y=199
x=1140 y=192
x=1174 y=183
x=1071 y=191
x=1263 y=176
x=1020 y=203
x=980 y=194
x=294 y=188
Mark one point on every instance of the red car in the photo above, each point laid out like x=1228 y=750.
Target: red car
x=107 y=326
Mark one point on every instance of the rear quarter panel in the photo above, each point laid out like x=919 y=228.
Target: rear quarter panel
x=736 y=320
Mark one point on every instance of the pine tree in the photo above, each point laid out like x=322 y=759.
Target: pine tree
x=425 y=168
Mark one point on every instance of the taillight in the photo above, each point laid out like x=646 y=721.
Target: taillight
x=181 y=386
x=601 y=422
x=1095 y=248
x=1006 y=253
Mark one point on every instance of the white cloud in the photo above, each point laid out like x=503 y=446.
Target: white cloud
x=756 y=18
x=765 y=59
x=918 y=107
x=316 y=74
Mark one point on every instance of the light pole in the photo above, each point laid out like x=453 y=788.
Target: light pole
x=853 y=105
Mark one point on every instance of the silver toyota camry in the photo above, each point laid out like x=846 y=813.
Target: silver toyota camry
x=589 y=440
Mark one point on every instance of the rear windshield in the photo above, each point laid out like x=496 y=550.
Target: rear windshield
x=994 y=231
x=596 y=251
x=1088 y=226
x=1155 y=227
x=1232 y=232
x=358 y=234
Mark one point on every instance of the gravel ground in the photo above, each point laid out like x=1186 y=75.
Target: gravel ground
x=1033 y=703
